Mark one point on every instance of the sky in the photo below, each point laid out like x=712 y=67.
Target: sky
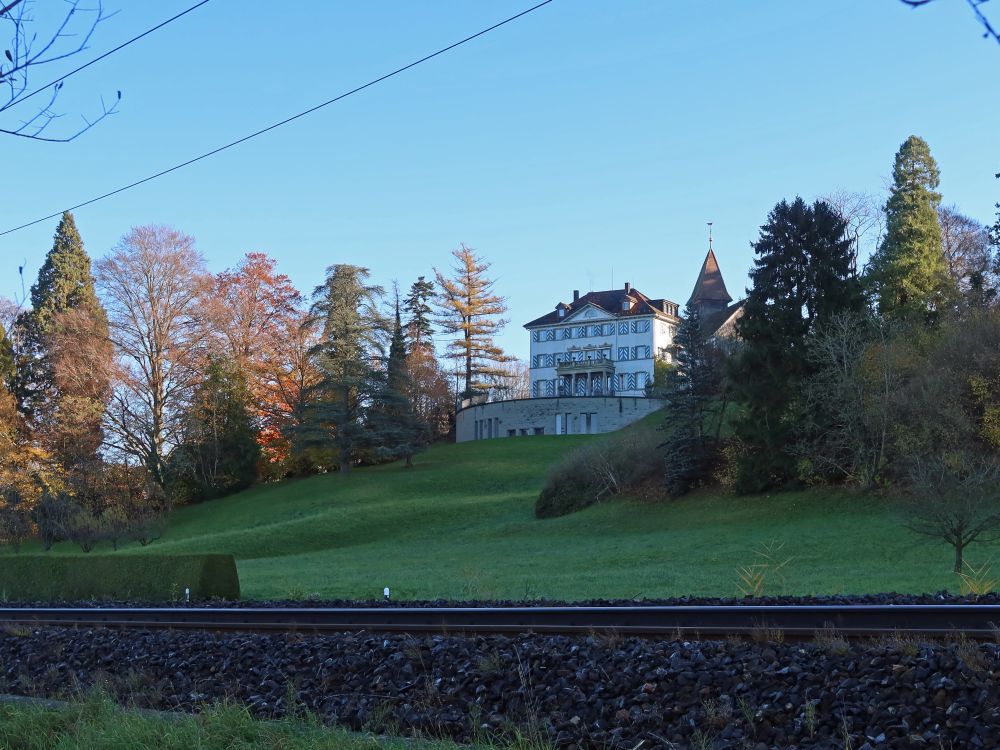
x=582 y=146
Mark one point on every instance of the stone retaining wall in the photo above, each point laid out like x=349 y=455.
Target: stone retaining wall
x=573 y=415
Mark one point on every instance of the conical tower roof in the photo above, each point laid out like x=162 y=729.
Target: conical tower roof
x=710 y=287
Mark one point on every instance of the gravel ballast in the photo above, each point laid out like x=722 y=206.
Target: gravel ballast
x=599 y=691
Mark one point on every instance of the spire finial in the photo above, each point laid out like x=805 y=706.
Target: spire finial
x=709 y=234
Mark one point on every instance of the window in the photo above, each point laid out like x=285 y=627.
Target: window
x=567 y=333
x=511 y=433
x=562 y=312
x=536 y=388
x=608 y=329
x=623 y=328
x=550 y=334
x=524 y=430
x=626 y=303
x=535 y=336
x=596 y=330
x=581 y=332
x=623 y=354
x=539 y=430
x=640 y=352
x=640 y=326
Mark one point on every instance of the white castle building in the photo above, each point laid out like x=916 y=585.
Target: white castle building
x=593 y=358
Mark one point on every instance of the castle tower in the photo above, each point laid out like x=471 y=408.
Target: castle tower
x=710 y=294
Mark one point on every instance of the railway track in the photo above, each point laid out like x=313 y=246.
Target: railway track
x=979 y=621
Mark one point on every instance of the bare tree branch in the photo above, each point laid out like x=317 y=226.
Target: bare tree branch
x=989 y=31
x=26 y=53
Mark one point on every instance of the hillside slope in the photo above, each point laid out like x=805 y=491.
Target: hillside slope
x=460 y=525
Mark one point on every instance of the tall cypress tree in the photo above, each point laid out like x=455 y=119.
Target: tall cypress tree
x=802 y=276
x=908 y=273
x=64 y=284
x=350 y=347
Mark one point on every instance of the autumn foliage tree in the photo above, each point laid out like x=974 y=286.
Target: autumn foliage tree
x=262 y=330
x=471 y=311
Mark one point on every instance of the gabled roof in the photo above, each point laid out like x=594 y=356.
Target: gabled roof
x=610 y=302
x=710 y=287
x=711 y=323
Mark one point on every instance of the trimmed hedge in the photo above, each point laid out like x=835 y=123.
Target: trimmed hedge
x=144 y=577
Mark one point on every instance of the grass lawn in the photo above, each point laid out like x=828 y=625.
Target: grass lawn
x=98 y=724
x=460 y=525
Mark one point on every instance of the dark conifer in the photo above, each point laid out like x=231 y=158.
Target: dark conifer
x=802 y=276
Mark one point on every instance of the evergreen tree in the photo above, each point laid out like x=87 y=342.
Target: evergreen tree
x=219 y=451
x=692 y=423
x=471 y=310
x=63 y=367
x=399 y=430
x=801 y=278
x=418 y=309
x=351 y=345
x=908 y=273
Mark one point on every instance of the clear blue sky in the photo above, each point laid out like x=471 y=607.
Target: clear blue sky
x=588 y=138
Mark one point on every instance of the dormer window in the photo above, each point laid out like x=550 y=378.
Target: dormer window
x=562 y=312
x=626 y=303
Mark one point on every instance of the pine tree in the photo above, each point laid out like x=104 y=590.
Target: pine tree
x=350 y=347
x=63 y=375
x=418 y=308
x=399 y=430
x=908 y=273
x=470 y=309
x=801 y=277
x=219 y=450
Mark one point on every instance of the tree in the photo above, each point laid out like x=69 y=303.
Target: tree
x=28 y=50
x=429 y=392
x=966 y=246
x=419 y=330
x=350 y=346
x=471 y=310
x=801 y=278
x=865 y=219
x=154 y=283
x=693 y=417
x=849 y=409
x=15 y=519
x=257 y=322
x=398 y=429
x=955 y=497
x=218 y=451
x=65 y=284
x=511 y=380
x=908 y=274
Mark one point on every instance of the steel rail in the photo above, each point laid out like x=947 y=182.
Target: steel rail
x=713 y=621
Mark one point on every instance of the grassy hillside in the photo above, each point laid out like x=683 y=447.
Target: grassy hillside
x=460 y=524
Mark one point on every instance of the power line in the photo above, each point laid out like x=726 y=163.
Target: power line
x=101 y=57
x=287 y=120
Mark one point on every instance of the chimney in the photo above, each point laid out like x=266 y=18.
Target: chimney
x=576 y=295
x=628 y=287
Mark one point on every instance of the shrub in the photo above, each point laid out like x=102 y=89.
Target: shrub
x=122 y=576
x=600 y=470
